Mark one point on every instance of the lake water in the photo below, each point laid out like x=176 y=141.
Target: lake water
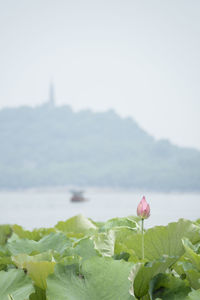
x=39 y=208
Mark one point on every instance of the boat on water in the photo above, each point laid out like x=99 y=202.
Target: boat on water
x=78 y=196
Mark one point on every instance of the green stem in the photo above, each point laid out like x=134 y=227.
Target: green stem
x=142 y=238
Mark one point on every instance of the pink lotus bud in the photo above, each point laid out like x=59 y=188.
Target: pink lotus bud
x=143 y=209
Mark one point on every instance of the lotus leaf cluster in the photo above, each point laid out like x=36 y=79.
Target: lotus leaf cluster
x=80 y=259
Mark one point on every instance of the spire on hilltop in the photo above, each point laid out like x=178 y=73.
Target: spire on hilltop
x=51 y=101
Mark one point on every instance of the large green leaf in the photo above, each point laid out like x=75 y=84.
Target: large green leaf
x=4 y=261
x=142 y=274
x=160 y=240
x=35 y=234
x=84 y=248
x=194 y=295
x=197 y=222
x=168 y=287
x=190 y=264
x=98 y=279
x=5 y=233
x=15 y=284
x=186 y=270
x=77 y=226
x=4 y=250
x=131 y=222
x=193 y=277
x=20 y=260
x=5 y=258
x=54 y=241
x=38 y=267
x=39 y=294
x=190 y=253
x=122 y=242
x=104 y=243
x=68 y=260
x=39 y=271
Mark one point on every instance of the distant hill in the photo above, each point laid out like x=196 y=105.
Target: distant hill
x=49 y=146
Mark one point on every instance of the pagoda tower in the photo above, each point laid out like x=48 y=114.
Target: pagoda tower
x=51 y=101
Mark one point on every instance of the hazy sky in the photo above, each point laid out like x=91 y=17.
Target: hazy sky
x=141 y=58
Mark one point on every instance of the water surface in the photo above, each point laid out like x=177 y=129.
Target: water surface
x=36 y=208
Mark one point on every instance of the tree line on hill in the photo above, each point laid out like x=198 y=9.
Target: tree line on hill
x=54 y=146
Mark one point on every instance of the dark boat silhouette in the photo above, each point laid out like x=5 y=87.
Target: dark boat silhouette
x=77 y=196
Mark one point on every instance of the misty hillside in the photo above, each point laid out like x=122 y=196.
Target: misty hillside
x=47 y=146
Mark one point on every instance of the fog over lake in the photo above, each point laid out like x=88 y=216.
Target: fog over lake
x=45 y=208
